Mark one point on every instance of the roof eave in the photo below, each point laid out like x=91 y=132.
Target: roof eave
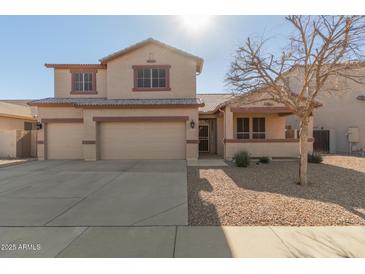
x=15 y=116
x=76 y=66
x=101 y=105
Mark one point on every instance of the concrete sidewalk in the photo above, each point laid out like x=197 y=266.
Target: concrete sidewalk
x=183 y=241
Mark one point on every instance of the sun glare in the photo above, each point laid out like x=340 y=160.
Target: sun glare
x=195 y=23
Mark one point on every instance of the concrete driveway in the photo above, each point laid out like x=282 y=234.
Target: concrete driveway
x=101 y=193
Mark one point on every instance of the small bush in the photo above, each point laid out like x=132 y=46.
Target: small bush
x=315 y=158
x=242 y=159
x=264 y=160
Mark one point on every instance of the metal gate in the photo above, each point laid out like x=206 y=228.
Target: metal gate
x=321 y=141
x=23 y=143
x=203 y=138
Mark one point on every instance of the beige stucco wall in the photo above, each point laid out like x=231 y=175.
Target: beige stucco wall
x=62 y=84
x=7 y=143
x=289 y=149
x=7 y=123
x=340 y=109
x=120 y=80
x=59 y=112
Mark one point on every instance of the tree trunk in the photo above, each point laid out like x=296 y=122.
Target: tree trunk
x=303 y=164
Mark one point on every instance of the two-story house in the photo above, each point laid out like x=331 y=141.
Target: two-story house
x=141 y=103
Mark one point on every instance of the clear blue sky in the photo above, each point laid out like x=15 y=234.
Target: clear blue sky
x=27 y=42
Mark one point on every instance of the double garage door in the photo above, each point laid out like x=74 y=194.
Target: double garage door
x=120 y=140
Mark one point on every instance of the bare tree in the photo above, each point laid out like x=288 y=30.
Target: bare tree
x=320 y=47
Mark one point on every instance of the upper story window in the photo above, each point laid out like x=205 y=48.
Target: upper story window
x=151 y=78
x=83 y=82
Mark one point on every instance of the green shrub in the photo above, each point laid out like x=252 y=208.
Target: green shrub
x=264 y=160
x=242 y=159
x=315 y=158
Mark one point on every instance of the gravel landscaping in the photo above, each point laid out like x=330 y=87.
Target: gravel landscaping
x=266 y=194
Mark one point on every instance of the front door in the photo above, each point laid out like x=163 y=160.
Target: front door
x=203 y=138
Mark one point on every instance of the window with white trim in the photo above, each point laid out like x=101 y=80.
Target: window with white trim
x=83 y=81
x=151 y=78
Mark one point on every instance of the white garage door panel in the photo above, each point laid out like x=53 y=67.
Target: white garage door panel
x=142 y=140
x=64 y=141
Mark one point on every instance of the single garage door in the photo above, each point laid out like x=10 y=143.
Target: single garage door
x=142 y=140
x=64 y=140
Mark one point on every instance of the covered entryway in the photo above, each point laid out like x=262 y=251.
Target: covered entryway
x=64 y=140
x=142 y=140
x=203 y=138
x=207 y=136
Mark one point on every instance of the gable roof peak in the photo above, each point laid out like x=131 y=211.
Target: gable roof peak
x=106 y=59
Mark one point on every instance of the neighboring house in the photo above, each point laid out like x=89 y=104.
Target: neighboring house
x=17 y=120
x=141 y=103
x=16 y=114
x=339 y=125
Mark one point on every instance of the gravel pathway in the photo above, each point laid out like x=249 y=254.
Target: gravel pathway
x=267 y=195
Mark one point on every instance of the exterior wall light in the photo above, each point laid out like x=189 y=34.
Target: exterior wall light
x=39 y=125
x=192 y=124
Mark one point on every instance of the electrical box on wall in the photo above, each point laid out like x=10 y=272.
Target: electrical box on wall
x=353 y=134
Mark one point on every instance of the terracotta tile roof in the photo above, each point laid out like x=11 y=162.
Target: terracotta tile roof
x=138 y=45
x=15 y=111
x=80 y=102
x=213 y=101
